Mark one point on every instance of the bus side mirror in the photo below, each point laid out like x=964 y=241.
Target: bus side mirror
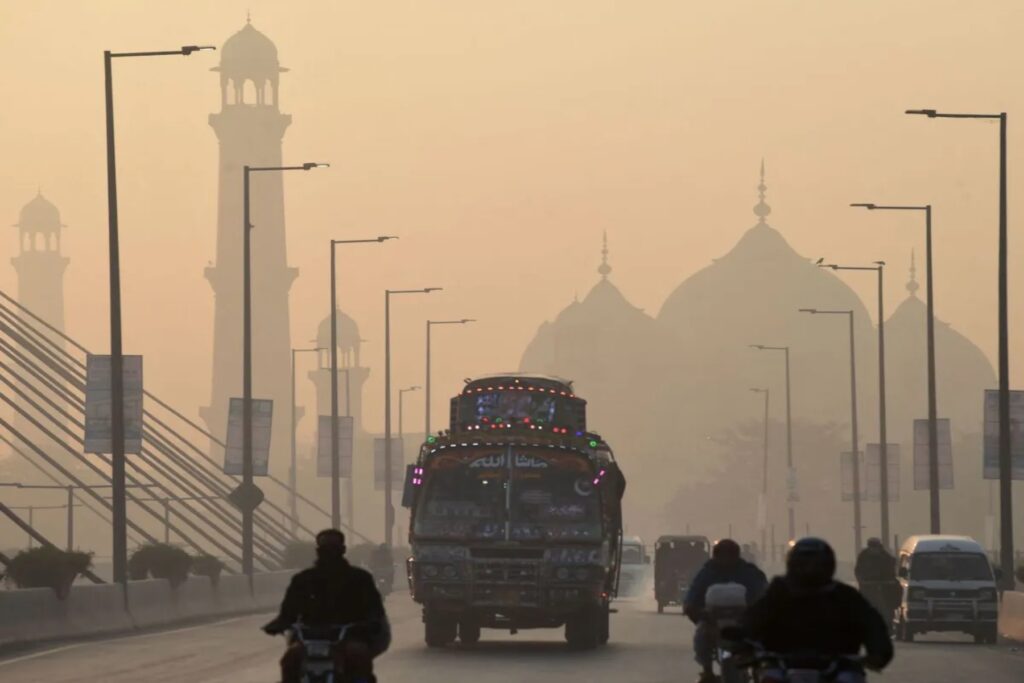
x=902 y=572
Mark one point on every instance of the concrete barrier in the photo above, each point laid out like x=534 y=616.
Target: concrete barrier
x=268 y=589
x=1011 y=616
x=35 y=614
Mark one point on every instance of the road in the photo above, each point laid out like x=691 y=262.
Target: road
x=645 y=647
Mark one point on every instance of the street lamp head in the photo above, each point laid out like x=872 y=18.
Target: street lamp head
x=428 y=290
x=189 y=49
x=467 y=320
x=879 y=263
x=385 y=238
x=314 y=164
x=759 y=347
x=757 y=391
x=812 y=311
x=930 y=113
x=864 y=205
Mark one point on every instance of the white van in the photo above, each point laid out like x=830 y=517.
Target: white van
x=946 y=584
x=635 y=571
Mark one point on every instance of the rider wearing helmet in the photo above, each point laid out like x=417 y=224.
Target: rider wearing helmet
x=808 y=611
x=725 y=566
x=333 y=592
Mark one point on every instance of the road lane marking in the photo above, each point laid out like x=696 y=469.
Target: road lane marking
x=73 y=646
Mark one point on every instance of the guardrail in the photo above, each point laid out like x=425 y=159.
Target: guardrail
x=35 y=614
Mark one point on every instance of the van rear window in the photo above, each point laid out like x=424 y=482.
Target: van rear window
x=950 y=567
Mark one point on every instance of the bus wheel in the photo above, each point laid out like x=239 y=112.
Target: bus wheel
x=469 y=632
x=439 y=630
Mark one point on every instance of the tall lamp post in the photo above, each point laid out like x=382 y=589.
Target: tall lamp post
x=293 y=507
x=883 y=448
x=249 y=495
x=933 y=420
x=763 y=507
x=853 y=426
x=426 y=384
x=401 y=398
x=389 y=513
x=789 y=439
x=1006 y=554
x=335 y=458
x=119 y=508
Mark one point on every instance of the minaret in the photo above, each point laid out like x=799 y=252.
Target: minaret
x=39 y=263
x=249 y=128
x=912 y=285
x=40 y=267
x=352 y=377
x=604 y=270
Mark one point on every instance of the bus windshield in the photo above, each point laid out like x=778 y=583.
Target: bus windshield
x=509 y=493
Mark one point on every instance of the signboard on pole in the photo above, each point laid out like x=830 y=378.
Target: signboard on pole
x=323 y=440
x=98 y=404
x=397 y=464
x=991 y=446
x=262 y=419
x=873 y=472
x=846 y=475
x=921 y=466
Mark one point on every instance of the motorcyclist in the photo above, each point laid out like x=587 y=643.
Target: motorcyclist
x=333 y=592
x=382 y=565
x=725 y=566
x=876 y=576
x=808 y=611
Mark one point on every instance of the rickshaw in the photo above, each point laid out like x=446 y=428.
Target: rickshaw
x=677 y=559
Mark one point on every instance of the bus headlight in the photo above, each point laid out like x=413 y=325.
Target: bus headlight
x=429 y=571
x=449 y=572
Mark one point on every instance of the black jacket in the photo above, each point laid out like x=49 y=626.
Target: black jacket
x=335 y=593
x=875 y=565
x=834 y=620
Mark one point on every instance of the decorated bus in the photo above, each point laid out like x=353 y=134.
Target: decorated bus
x=516 y=518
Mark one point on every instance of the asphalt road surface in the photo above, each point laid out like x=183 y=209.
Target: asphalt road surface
x=645 y=647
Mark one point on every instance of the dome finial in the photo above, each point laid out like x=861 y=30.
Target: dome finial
x=604 y=269
x=912 y=285
x=761 y=209
x=248 y=17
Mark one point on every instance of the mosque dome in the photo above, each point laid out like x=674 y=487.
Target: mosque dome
x=39 y=215
x=348 y=333
x=249 y=54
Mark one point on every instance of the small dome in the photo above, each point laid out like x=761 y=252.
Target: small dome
x=348 y=333
x=39 y=214
x=249 y=54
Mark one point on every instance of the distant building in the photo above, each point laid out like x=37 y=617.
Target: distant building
x=250 y=128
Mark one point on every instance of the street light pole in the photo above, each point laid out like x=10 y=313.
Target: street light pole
x=789 y=439
x=883 y=448
x=763 y=507
x=426 y=384
x=119 y=508
x=335 y=456
x=247 y=508
x=933 y=420
x=389 y=513
x=293 y=506
x=853 y=426
x=1006 y=554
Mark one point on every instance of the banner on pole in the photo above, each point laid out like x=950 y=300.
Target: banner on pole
x=397 y=464
x=846 y=463
x=323 y=455
x=262 y=419
x=99 y=404
x=991 y=438
x=921 y=466
x=873 y=472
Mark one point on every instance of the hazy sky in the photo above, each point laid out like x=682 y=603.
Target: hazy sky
x=499 y=139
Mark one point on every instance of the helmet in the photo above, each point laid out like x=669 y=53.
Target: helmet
x=726 y=550
x=810 y=563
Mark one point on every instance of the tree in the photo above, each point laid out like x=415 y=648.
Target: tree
x=48 y=567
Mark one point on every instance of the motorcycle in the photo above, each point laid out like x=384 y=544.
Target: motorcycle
x=724 y=605
x=319 y=647
x=796 y=667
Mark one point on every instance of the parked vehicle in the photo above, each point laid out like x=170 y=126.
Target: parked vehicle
x=946 y=584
